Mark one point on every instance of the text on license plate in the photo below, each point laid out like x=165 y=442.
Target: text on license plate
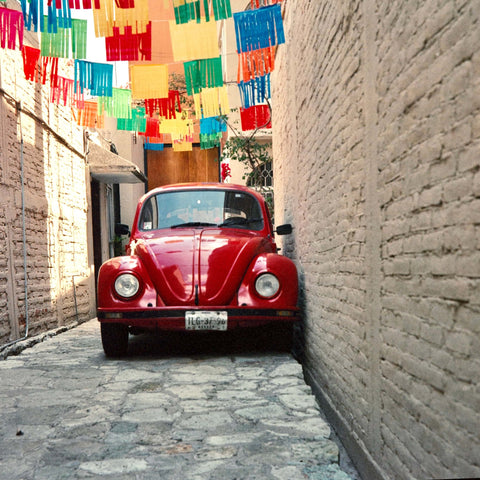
x=201 y=320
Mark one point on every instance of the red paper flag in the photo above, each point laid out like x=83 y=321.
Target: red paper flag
x=254 y=117
x=11 y=27
x=31 y=56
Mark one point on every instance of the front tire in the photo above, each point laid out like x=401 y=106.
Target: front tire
x=114 y=339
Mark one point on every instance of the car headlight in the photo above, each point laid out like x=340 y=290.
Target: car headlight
x=267 y=285
x=127 y=285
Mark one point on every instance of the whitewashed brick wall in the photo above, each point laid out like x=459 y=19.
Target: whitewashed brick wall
x=377 y=164
x=59 y=277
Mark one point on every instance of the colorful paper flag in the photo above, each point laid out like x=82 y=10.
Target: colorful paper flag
x=11 y=29
x=194 y=41
x=149 y=81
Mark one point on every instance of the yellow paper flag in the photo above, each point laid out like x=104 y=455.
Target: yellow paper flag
x=149 y=81
x=109 y=15
x=211 y=102
x=194 y=41
x=182 y=146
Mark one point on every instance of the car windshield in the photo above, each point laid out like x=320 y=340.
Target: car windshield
x=199 y=208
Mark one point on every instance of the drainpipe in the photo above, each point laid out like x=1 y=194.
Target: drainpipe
x=24 y=233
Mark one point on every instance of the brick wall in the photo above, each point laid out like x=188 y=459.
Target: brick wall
x=59 y=284
x=377 y=165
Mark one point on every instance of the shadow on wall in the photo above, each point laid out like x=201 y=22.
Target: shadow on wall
x=287 y=247
x=42 y=223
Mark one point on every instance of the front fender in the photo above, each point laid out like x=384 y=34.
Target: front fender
x=286 y=272
x=109 y=271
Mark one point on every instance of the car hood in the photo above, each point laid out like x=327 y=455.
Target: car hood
x=199 y=266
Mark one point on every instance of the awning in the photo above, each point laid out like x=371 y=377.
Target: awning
x=107 y=167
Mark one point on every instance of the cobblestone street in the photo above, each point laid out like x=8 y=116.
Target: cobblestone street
x=184 y=412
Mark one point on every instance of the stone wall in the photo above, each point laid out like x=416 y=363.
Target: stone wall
x=376 y=148
x=49 y=213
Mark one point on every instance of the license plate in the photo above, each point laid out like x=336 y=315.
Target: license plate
x=200 y=320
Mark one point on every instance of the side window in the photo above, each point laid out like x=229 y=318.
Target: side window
x=239 y=204
x=149 y=216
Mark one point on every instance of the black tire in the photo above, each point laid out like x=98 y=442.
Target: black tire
x=114 y=339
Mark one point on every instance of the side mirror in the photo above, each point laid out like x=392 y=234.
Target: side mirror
x=121 y=229
x=284 y=229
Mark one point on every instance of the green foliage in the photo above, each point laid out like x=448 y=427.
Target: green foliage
x=251 y=153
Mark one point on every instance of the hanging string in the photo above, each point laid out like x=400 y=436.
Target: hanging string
x=31 y=56
x=11 y=28
x=79 y=38
x=203 y=74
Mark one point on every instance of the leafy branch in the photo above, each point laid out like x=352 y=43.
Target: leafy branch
x=248 y=150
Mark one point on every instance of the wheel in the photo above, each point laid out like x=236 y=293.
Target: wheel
x=114 y=339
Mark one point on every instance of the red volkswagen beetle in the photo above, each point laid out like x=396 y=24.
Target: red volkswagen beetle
x=200 y=257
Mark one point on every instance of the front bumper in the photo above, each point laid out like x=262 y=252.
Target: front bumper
x=165 y=318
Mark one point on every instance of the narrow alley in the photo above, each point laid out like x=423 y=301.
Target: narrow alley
x=180 y=410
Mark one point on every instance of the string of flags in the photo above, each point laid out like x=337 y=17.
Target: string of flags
x=258 y=32
x=149 y=107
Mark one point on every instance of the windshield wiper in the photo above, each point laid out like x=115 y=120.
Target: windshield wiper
x=193 y=224
x=238 y=221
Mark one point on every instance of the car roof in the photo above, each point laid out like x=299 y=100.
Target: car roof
x=203 y=186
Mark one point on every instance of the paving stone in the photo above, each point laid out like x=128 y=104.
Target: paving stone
x=114 y=466
x=70 y=413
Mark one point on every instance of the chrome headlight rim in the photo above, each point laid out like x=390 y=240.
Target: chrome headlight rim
x=126 y=285
x=267 y=285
